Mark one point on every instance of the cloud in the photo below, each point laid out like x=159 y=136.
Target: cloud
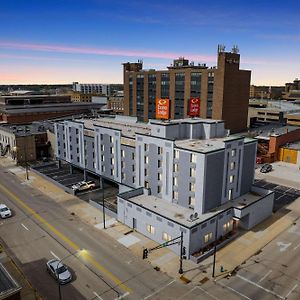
x=102 y=51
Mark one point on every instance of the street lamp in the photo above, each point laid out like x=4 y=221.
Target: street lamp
x=78 y=253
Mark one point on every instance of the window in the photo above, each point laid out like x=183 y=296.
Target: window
x=146 y=160
x=122 y=153
x=101 y=136
x=233 y=152
x=230 y=194
x=166 y=237
x=146 y=184
x=112 y=172
x=175 y=181
x=102 y=147
x=112 y=161
x=146 y=147
x=159 y=163
x=159 y=176
x=159 y=150
x=122 y=164
x=231 y=178
x=133 y=179
x=192 y=186
x=112 y=150
x=111 y=139
x=103 y=168
x=133 y=155
x=146 y=172
x=150 y=229
x=102 y=157
x=226 y=226
x=176 y=154
x=193 y=158
x=133 y=168
x=192 y=201
x=207 y=237
x=123 y=176
x=158 y=189
x=232 y=165
x=175 y=167
x=175 y=195
x=193 y=172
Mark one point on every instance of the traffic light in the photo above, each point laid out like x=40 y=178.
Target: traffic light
x=145 y=253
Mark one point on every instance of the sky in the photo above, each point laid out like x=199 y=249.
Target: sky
x=61 y=41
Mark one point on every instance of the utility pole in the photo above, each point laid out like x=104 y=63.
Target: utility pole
x=181 y=253
x=103 y=207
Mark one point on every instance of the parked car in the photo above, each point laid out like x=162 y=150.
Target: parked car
x=84 y=186
x=59 y=271
x=266 y=168
x=5 y=212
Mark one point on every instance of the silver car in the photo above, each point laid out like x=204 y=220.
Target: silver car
x=5 y=212
x=59 y=271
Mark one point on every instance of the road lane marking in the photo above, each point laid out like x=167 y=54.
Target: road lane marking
x=24 y=226
x=160 y=289
x=188 y=292
x=283 y=246
x=259 y=286
x=71 y=244
x=295 y=286
x=296 y=247
x=97 y=296
x=53 y=254
x=265 y=276
x=122 y=296
x=235 y=291
x=207 y=293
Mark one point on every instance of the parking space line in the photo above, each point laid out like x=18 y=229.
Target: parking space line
x=122 y=296
x=259 y=286
x=24 y=226
x=160 y=289
x=188 y=292
x=53 y=254
x=97 y=295
x=295 y=286
x=235 y=291
x=265 y=276
x=207 y=293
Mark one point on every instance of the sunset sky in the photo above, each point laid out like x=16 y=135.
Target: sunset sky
x=88 y=40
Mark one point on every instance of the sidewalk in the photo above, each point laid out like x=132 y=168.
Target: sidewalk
x=230 y=257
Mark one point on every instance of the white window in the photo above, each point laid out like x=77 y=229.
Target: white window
x=232 y=165
x=233 y=152
x=176 y=154
x=159 y=150
x=175 y=181
x=146 y=147
x=193 y=158
x=226 y=226
x=112 y=150
x=102 y=157
x=159 y=176
x=193 y=172
x=150 y=229
x=175 y=167
x=112 y=160
x=146 y=159
x=192 y=201
x=111 y=139
x=123 y=176
x=146 y=184
x=192 y=186
x=175 y=195
x=230 y=194
x=231 y=178
x=208 y=237
x=112 y=172
x=122 y=153
x=166 y=237
x=159 y=189
x=103 y=168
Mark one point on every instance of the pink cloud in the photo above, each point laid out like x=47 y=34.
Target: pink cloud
x=102 y=51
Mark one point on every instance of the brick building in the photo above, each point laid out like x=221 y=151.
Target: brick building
x=223 y=90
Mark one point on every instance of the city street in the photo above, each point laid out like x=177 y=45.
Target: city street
x=271 y=274
x=41 y=230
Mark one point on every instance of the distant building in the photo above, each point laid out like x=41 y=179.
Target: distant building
x=28 y=108
x=116 y=104
x=179 y=176
x=223 y=90
x=97 y=88
x=292 y=90
x=266 y=92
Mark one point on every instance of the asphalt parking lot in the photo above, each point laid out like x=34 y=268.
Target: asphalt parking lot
x=64 y=176
x=283 y=195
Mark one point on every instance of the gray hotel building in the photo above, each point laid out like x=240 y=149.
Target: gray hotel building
x=185 y=175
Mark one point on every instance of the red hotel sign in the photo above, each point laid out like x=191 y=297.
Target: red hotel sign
x=162 y=109
x=194 y=107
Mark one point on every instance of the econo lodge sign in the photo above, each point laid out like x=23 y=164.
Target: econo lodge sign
x=162 y=108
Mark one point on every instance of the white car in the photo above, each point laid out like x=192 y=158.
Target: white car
x=5 y=212
x=59 y=271
x=83 y=186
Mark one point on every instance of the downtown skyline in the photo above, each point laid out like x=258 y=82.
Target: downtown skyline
x=87 y=41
